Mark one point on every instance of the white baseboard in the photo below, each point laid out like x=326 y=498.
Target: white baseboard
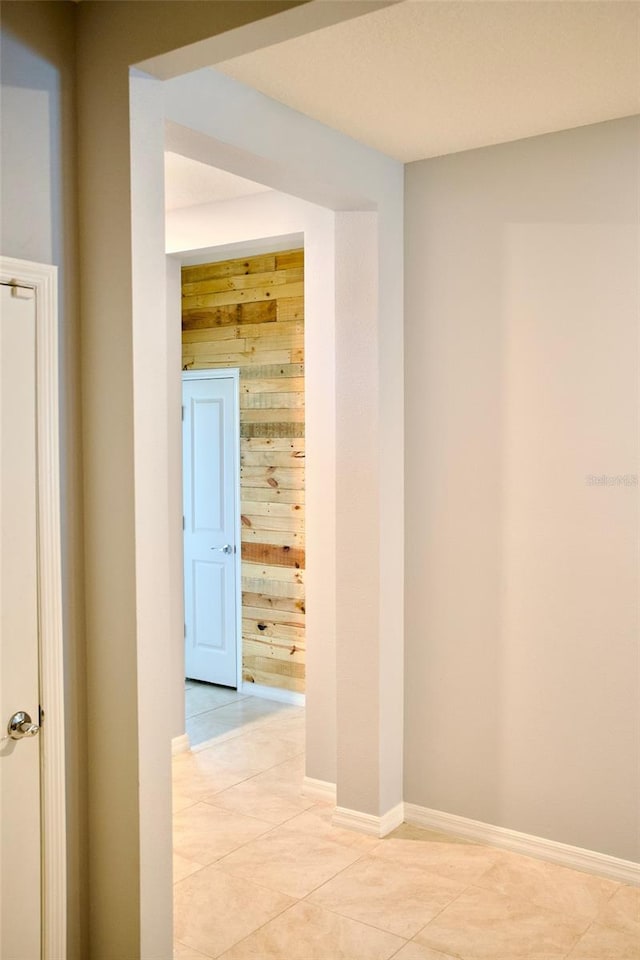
x=180 y=744
x=319 y=790
x=624 y=871
x=273 y=693
x=367 y=822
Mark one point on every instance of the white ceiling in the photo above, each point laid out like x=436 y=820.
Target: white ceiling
x=189 y=182
x=424 y=78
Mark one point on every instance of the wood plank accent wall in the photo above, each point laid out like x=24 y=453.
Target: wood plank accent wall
x=250 y=314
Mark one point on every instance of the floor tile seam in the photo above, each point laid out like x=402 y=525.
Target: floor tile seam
x=174 y=813
x=239 y=699
x=344 y=916
x=255 y=775
x=249 y=816
x=262 y=925
x=265 y=770
x=336 y=913
x=564 y=912
x=237 y=784
x=460 y=956
x=259 y=836
x=335 y=876
x=335 y=843
x=199 y=713
x=211 y=744
x=186 y=945
x=256 y=883
x=614 y=928
x=244 y=843
x=280 y=823
x=532 y=903
x=201 y=866
x=245 y=727
x=446 y=907
x=450 y=951
x=577 y=942
x=233 y=734
x=476 y=882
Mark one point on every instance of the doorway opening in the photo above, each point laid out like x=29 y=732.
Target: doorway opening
x=243 y=422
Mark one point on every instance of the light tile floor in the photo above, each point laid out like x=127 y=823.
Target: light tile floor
x=261 y=873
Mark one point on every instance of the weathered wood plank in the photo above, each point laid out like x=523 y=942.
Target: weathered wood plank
x=293 y=576
x=279 y=444
x=289 y=258
x=256 y=664
x=272 y=458
x=213 y=318
x=280 y=429
x=271 y=586
x=230 y=268
x=262 y=509
x=292 y=328
x=290 y=308
x=265 y=494
x=283 y=605
x=271 y=401
x=213 y=347
x=265 y=331
x=274 y=554
x=242 y=296
x=282 y=385
x=269 y=628
x=275 y=477
x=241 y=344
x=283 y=538
x=243 y=281
x=254 y=673
x=271 y=371
x=237 y=359
x=277 y=651
x=273 y=415
x=290 y=617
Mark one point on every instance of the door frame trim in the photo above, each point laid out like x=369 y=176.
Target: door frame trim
x=230 y=373
x=43 y=279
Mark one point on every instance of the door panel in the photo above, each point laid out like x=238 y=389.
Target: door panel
x=19 y=687
x=210 y=520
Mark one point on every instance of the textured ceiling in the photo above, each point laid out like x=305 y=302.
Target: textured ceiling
x=425 y=78
x=189 y=182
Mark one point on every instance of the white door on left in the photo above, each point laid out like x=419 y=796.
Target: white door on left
x=20 y=837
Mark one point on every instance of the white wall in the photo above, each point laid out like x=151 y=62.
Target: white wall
x=522 y=578
x=252 y=219
x=38 y=222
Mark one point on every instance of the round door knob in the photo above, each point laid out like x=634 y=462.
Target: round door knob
x=20 y=725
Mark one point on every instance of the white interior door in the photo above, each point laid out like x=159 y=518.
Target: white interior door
x=20 y=844
x=211 y=513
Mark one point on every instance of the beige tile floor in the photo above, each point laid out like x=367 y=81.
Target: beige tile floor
x=261 y=873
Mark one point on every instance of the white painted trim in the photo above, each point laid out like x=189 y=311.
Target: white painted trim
x=319 y=790
x=272 y=693
x=180 y=744
x=230 y=373
x=369 y=823
x=43 y=278
x=391 y=819
x=624 y=871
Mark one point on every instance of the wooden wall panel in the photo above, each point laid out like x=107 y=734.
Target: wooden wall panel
x=250 y=314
